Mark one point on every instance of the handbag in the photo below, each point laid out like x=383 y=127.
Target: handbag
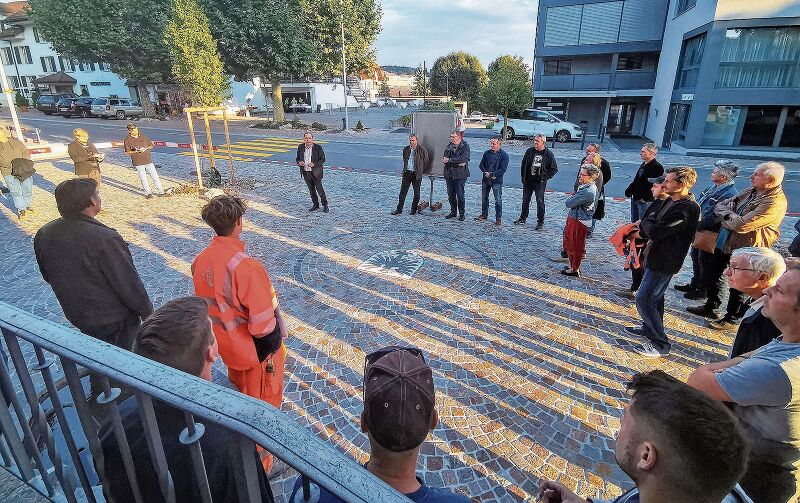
x=22 y=168
x=705 y=241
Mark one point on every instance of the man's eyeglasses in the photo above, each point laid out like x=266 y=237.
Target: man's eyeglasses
x=734 y=268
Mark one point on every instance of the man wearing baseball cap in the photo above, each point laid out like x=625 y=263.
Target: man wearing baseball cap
x=399 y=412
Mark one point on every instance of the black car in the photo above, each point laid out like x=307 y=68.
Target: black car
x=48 y=103
x=69 y=107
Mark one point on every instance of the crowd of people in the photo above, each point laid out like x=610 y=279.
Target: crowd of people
x=730 y=433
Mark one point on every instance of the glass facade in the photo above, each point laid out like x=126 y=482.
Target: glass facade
x=691 y=57
x=760 y=58
x=752 y=126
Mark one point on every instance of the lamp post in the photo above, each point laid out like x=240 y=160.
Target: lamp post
x=344 y=79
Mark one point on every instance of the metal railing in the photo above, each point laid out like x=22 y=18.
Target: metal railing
x=57 y=469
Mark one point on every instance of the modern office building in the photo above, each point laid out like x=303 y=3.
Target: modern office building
x=689 y=74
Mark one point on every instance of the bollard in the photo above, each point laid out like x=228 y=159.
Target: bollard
x=553 y=145
x=344 y=124
x=583 y=139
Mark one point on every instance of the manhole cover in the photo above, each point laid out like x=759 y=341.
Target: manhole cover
x=396 y=263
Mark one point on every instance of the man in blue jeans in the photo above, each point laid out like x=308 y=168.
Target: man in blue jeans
x=639 y=188
x=538 y=165
x=456 y=172
x=21 y=190
x=493 y=166
x=670 y=229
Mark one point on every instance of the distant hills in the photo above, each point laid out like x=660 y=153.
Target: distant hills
x=399 y=70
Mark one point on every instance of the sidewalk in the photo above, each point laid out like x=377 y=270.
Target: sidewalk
x=530 y=366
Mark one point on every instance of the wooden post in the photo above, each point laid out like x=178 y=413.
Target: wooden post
x=194 y=150
x=209 y=142
x=228 y=142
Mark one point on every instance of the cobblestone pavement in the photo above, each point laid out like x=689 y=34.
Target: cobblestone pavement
x=529 y=365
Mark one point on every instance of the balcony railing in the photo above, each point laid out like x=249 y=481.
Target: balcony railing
x=598 y=81
x=58 y=469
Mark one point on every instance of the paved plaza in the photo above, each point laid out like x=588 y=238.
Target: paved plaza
x=530 y=365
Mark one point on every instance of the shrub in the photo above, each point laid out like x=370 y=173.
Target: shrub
x=405 y=120
x=359 y=126
x=439 y=105
x=21 y=100
x=318 y=126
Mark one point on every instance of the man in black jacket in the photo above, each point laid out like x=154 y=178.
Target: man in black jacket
x=311 y=159
x=456 y=172
x=538 y=166
x=90 y=268
x=639 y=189
x=416 y=162
x=671 y=230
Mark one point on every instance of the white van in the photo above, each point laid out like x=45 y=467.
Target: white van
x=533 y=122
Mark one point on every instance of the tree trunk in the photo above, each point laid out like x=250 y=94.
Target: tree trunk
x=277 y=100
x=505 y=124
x=144 y=99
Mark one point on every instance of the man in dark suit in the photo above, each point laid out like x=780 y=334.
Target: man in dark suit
x=538 y=165
x=416 y=162
x=311 y=159
x=751 y=271
x=456 y=172
x=639 y=189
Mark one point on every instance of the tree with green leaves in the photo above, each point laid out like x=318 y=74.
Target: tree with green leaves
x=422 y=84
x=264 y=39
x=126 y=35
x=458 y=74
x=195 y=61
x=508 y=89
x=361 y=20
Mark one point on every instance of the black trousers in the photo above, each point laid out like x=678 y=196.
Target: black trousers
x=701 y=264
x=528 y=189
x=715 y=284
x=121 y=333
x=314 y=188
x=409 y=179
x=636 y=277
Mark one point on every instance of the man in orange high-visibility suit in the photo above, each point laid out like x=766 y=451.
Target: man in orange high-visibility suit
x=243 y=307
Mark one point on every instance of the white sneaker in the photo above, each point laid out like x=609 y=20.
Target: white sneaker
x=649 y=351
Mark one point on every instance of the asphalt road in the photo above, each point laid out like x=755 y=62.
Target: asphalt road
x=386 y=158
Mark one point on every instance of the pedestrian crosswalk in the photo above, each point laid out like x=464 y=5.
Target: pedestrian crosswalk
x=252 y=150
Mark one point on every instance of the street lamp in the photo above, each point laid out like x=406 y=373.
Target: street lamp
x=344 y=79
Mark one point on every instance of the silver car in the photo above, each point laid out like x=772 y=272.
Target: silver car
x=119 y=108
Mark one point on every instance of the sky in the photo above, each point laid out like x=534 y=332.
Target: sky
x=417 y=30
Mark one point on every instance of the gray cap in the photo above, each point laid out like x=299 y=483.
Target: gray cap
x=659 y=180
x=727 y=168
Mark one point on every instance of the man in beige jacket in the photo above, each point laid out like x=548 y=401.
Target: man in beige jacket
x=751 y=218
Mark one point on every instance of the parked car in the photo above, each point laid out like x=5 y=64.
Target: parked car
x=302 y=108
x=116 y=107
x=48 y=103
x=533 y=122
x=476 y=117
x=69 y=107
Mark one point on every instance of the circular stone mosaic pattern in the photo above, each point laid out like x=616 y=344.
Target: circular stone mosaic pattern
x=414 y=265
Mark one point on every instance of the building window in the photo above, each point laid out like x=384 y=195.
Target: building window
x=103 y=67
x=631 y=62
x=684 y=5
x=558 y=67
x=759 y=58
x=14 y=82
x=67 y=65
x=36 y=36
x=90 y=67
x=23 y=53
x=681 y=121
x=100 y=84
x=760 y=125
x=8 y=56
x=84 y=90
x=791 y=129
x=691 y=57
x=48 y=63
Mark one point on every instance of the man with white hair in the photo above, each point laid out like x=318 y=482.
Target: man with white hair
x=639 y=188
x=751 y=271
x=752 y=218
x=722 y=187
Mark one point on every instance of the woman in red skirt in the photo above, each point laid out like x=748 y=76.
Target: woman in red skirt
x=581 y=206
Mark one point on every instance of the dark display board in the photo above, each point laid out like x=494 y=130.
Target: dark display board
x=433 y=130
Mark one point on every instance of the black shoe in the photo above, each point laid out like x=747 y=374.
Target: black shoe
x=639 y=332
x=450 y=215
x=703 y=311
x=685 y=288
x=396 y=212
x=519 y=221
x=628 y=294
x=461 y=218
x=313 y=208
x=479 y=218
x=695 y=295
x=723 y=324
x=498 y=222
x=539 y=226
x=325 y=209
x=575 y=274
x=413 y=212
